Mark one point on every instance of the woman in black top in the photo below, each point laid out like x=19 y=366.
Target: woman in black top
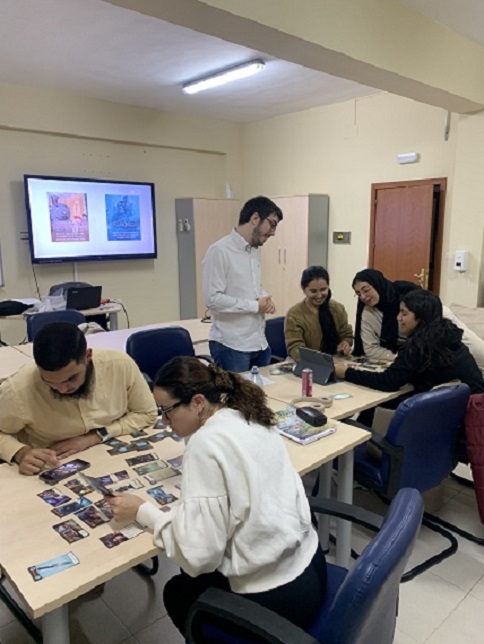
x=432 y=355
x=381 y=297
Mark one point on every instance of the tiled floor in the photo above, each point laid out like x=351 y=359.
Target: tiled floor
x=442 y=606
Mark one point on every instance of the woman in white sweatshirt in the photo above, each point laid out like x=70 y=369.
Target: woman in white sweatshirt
x=243 y=522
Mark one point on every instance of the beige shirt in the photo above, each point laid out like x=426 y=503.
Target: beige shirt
x=120 y=400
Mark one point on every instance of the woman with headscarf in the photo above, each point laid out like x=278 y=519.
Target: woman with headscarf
x=432 y=355
x=376 y=329
x=318 y=322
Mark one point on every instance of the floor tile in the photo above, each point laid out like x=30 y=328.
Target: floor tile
x=136 y=599
x=93 y=622
x=464 y=625
x=425 y=602
x=160 y=631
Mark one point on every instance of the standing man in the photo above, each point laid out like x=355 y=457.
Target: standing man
x=232 y=289
x=71 y=399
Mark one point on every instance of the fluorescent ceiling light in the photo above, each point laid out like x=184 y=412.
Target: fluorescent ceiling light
x=225 y=76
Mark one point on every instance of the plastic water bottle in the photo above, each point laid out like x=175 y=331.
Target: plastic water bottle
x=255 y=376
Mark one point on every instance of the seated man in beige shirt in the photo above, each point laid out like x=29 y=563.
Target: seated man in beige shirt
x=72 y=398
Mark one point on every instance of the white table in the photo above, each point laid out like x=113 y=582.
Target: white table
x=23 y=513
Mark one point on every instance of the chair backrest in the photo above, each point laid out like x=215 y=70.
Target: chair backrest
x=365 y=606
x=426 y=427
x=275 y=337
x=152 y=348
x=61 y=289
x=38 y=320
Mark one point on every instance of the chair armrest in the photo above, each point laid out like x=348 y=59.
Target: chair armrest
x=242 y=612
x=204 y=356
x=352 y=513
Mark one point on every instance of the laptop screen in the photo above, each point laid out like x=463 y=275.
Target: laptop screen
x=85 y=297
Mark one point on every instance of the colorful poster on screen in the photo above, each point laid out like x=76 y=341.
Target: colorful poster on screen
x=123 y=217
x=68 y=216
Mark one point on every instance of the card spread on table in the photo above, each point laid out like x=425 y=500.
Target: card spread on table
x=74 y=506
x=147 y=468
x=54 y=497
x=160 y=475
x=53 y=566
x=161 y=496
x=144 y=458
x=70 y=530
x=92 y=516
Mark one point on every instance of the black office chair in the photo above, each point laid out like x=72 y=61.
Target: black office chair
x=38 y=320
x=418 y=451
x=152 y=348
x=61 y=289
x=360 y=606
x=276 y=339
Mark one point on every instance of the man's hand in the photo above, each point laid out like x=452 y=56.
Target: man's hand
x=124 y=506
x=71 y=446
x=32 y=460
x=340 y=370
x=266 y=305
x=344 y=348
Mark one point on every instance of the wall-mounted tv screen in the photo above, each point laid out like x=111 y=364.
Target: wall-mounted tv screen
x=75 y=220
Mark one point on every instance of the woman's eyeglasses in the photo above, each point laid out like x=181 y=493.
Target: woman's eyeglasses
x=363 y=291
x=164 y=411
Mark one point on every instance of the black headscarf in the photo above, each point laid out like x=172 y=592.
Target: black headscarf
x=389 y=304
x=328 y=327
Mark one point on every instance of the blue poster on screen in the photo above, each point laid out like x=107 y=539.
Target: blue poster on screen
x=123 y=217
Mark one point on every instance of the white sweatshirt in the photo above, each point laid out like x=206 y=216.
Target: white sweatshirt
x=243 y=510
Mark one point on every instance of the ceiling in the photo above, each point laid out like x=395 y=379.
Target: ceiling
x=100 y=50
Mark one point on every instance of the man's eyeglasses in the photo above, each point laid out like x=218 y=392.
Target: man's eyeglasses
x=164 y=411
x=364 y=291
x=272 y=223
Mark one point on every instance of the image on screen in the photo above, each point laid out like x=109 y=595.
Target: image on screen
x=73 y=220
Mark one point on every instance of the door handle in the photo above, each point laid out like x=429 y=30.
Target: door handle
x=423 y=278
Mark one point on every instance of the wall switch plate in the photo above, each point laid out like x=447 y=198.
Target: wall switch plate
x=342 y=238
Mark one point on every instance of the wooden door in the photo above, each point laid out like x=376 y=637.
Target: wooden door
x=295 y=255
x=406 y=231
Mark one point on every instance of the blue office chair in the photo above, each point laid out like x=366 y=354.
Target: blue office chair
x=152 y=348
x=276 y=339
x=36 y=321
x=418 y=451
x=361 y=604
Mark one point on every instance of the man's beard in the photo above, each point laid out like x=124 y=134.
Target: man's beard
x=257 y=241
x=83 y=391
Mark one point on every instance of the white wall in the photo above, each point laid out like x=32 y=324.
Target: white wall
x=52 y=133
x=340 y=150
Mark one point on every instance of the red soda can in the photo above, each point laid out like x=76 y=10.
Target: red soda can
x=307 y=383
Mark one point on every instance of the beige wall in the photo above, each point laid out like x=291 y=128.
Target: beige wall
x=52 y=133
x=339 y=150
x=342 y=149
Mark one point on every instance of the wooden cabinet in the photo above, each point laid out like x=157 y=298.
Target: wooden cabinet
x=199 y=223
x=301 y=240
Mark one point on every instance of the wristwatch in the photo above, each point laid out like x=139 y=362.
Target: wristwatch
x=103 y=434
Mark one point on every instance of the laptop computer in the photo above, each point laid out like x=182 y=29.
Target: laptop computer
x=84 y=297
x=322 y=365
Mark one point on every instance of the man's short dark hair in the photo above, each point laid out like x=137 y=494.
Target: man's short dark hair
x=263 y=206
x=57 y=344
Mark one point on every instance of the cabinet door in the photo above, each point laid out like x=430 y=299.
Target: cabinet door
x=213 y=219
x=295 y=253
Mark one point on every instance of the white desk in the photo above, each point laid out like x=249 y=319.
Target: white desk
x=49 y=597
x=11 y=360
x=110 y=309
x=117 y=339
x=286 y=387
